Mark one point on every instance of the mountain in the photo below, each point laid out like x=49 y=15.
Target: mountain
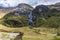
x=40 y=11
x=21 y=15
x=58 y=3
x=55 y=6
x=23 y=5
x=22 y=9
x=9 y=9
x=6 y=9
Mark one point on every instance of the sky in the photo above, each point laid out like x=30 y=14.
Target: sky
x=13 y=3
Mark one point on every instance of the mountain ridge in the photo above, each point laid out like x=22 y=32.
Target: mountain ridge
x=9 y=9
x=27 y=6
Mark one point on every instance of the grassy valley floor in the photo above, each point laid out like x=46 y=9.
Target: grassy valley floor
x=30 y=34
x=40 y=33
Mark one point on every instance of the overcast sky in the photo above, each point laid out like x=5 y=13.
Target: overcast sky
x=12 y=3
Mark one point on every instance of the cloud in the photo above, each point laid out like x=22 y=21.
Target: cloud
x=12 y=3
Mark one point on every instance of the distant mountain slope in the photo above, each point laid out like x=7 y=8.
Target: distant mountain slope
x=57 y=3
x=19 y=16
x=26 y=6
x=9 y=9
x=55 y=6
x=23 y=5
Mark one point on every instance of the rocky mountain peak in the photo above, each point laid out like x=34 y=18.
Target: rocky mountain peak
x=25 y=6
x=58 y=3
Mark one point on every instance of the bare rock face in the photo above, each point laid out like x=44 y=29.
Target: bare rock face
x=23 y=9
x=40 y=10
x=22 y=15
x=25 y=6
x=58 y=3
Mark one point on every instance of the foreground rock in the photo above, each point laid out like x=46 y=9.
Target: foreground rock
x=9 y=36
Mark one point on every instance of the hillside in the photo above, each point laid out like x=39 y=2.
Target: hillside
x=39 y=23
x=9 y=9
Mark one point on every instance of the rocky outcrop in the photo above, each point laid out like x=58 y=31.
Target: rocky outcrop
x=22 y=14
x=40 y=11
x=11 y=35
x=25 y=6
x=19 y=37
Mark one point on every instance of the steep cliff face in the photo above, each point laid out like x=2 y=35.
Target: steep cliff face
x=22 y=15
x=40 y=10
x=23 y=9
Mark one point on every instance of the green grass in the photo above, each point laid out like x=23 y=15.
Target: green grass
x=56 y=38
x=31 y=38
x=4 y=35
x=29 y=34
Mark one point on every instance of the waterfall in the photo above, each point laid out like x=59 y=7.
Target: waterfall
x=25 y=12
x=30 y=19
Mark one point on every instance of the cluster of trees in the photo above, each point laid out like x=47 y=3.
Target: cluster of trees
x=41 y=16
